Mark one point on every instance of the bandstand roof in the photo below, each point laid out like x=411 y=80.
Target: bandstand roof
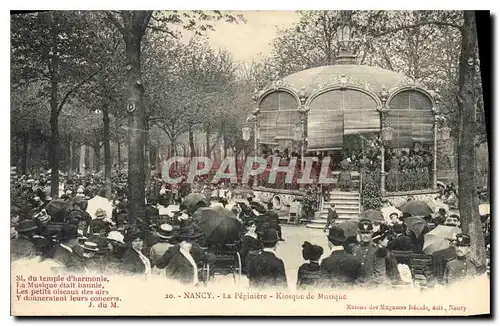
x=343 y=99
x=373 y=78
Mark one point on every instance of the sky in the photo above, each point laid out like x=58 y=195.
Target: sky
x=246 y=41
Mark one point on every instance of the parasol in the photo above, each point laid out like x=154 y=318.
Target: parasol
x=416 y=208
x=99 y=202
x=194 y=201
x=350 y=228
x=415 y=224
x=373 y=215
x=484 y=209
x=57 y=210
x=437 y=239
x=219 y=225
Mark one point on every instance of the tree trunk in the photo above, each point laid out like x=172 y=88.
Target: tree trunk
x=97 y=156
x=468 y=201
x=107 y=150
x=208 y=152
x=192 y=149
x=26 y=152
x=70 y=158
x=147 y=162
x=135 y=106
x=54 y=141
x=119 y=155
x=82 y=160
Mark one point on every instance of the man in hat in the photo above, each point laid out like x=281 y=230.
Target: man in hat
x=372 y=259
x=400 y=242
x=182 y=260
x=266 y=269
x=100 y=225
x=86 y=250
x=332 y=216
x=274 y=220
x=22 y=246
x=165 y=234
x=64 y=251
x=340 y=268
x=463 y=266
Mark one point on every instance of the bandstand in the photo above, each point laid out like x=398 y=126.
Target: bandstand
x=315 y=111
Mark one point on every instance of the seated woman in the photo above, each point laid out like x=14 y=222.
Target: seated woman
x=309 y=274
x=181 y=261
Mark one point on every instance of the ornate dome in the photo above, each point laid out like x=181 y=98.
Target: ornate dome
x=369 y=77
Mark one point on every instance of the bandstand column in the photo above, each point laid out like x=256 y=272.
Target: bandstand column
x=434 y=150
x=385 y=136
x=303 y=118
x=382 y=169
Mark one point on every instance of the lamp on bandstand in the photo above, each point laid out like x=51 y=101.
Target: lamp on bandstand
x=443 y=132
x=249 y=125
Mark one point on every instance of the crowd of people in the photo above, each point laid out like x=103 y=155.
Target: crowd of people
x=172 y=244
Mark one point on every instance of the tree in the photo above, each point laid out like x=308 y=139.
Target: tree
x=132 y=26
x=467 y=104
x=56 y=49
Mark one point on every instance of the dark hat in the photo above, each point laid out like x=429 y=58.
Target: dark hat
x=365 y=226
x=188 y=232
x=398 y=228
x=68 y=231
x=133 y=234
x=442 y=210
x=165 y=231
x=269 y=236
x=462 y=240
x=336 y=234
x=26 y=226
x=311 y=252
x=97 y=225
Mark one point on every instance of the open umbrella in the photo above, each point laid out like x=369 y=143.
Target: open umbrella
x=437 y=239
x=416 y=208
x=194 y=201
x=350 y=227
x=484 y=209
x=219 y=225
x=99 y=202
x=57 y=210
x=373 y=215
x=415 y=224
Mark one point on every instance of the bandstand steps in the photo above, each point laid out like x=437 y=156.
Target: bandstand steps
x=347 y=206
